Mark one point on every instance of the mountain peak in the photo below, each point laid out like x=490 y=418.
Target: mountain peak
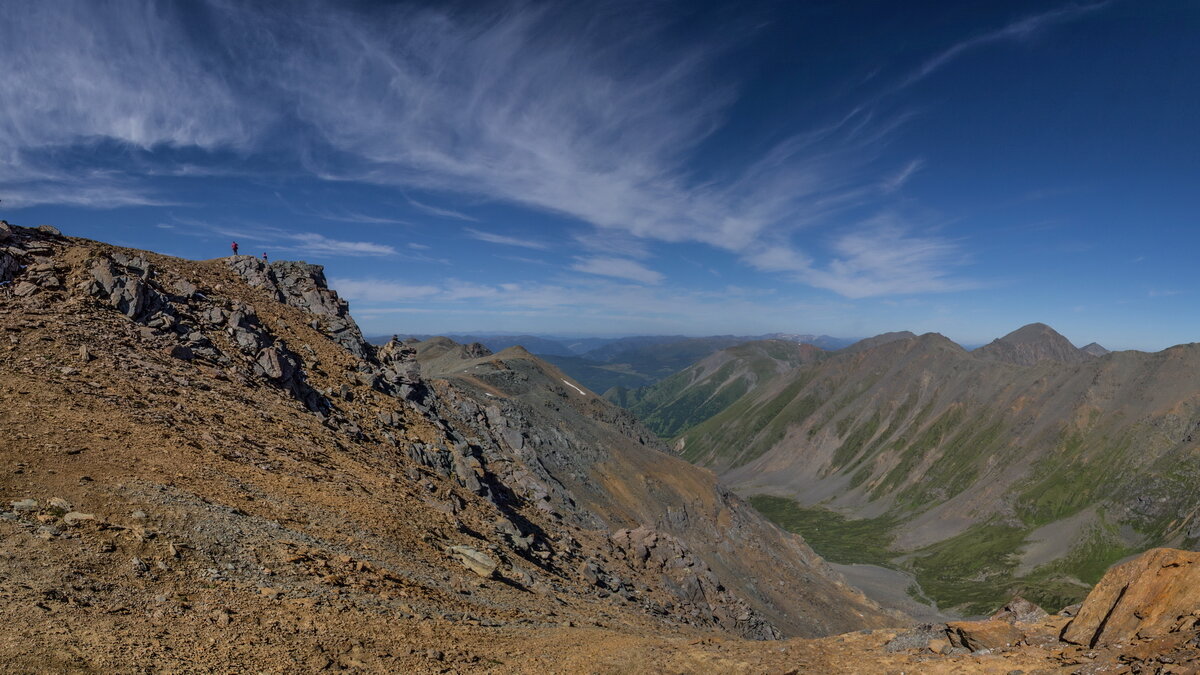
x=1031 y=344
x=881 y=339
x=1094 y=349
x=1033 y=332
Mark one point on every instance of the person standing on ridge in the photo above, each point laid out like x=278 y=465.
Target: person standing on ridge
x=234 y=247
x=265 y=256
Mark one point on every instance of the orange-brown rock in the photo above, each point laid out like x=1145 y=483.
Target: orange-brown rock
x=990 y=634
x=1144 y=597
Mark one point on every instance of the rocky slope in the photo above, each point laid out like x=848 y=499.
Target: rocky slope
x=204 y=462
x=1025 y=466
x=591 y=464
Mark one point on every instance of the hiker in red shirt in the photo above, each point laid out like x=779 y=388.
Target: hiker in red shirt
x=234 y=247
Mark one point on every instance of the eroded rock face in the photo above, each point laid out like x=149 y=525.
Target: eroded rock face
x=1146 y=597
x=302 y=285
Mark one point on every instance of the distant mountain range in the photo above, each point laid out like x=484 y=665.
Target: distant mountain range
x=602 y=363
x=1028 y=464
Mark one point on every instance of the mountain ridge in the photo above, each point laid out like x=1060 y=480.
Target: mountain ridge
x=940 y=451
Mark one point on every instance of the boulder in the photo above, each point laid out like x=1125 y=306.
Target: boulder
x=1019 y=610
x=49 y=229
x=976 y=635
x=5 y=231
x=478 y=562
x=1143 y=598
x=180 y=352
x=25 y=505
x=75 y=517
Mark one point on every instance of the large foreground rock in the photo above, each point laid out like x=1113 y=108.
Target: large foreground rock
x=1144 y=598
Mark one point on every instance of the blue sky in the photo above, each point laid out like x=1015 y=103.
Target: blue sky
x=611 y=168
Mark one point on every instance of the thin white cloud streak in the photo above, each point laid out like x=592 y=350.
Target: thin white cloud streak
x=355 y=217
x=620 y=268
x=593 y=300
x=97 y=192
x=613 y=243
x=505 y=240
x=438 y=211
x=319 y=244
x=900 y=178
x=371 y=291
x=1017 y=30
x=277 y=239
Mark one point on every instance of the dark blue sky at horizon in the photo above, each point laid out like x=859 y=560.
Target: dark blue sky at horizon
x=845 y=168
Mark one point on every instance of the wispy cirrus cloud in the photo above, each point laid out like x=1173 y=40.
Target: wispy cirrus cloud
x=620 y=268
x=494 y=238
x=1020 y=29
x=282 y=240
x=314 y=243
x=439 y=211
x=883 y=259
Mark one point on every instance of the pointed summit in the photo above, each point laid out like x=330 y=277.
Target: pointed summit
x=1030 y=344
x=1094 y=349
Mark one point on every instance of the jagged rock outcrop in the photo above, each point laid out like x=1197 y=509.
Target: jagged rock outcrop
x=302 y=285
